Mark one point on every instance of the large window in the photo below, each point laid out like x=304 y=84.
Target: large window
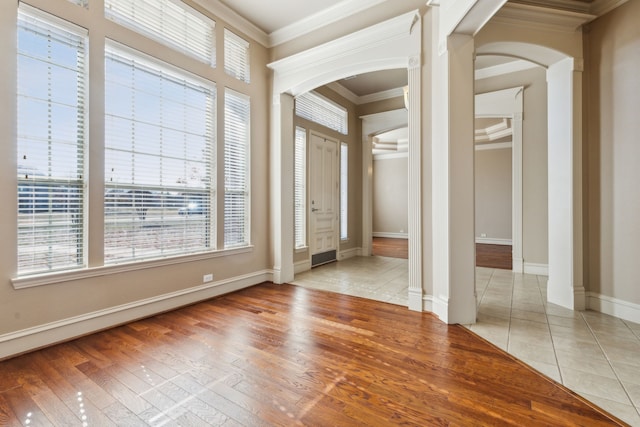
x=300 y=188
x=237 y=117
x=318 y=109
x=170 y=22
x=51 y=143
x=159 y=140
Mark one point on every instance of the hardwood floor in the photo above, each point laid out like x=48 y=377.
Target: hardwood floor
x=393 y=248
x=490 y=256
x=494 y=256
x=284 y=355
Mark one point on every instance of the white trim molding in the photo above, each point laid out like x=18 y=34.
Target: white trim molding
x=537 y=269
x=29 y=339
x=349 y=253
x=390 y=235
x=493 y=241
x=302 y=266
x=494 y=146
x=614 y=307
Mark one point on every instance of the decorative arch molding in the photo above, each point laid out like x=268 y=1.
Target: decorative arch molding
x=395 y=43
x=564 y=117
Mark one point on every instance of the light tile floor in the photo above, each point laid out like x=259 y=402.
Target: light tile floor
x=593 y=354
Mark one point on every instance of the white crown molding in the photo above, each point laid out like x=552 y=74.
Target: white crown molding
x=238 y=21
x=600 y=7
x=543 y=18
x=321 y=19
x=495 y=146
x=344 y=92
x=365 y=99
x=502 y=69
x=381 y=96
x=390 y=156
x=597 y=7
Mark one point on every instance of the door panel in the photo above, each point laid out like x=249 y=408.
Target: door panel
x=324 y=175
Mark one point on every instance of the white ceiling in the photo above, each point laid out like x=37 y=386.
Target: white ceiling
x=273 y=15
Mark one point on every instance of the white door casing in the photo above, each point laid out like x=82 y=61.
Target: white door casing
x=323 y=194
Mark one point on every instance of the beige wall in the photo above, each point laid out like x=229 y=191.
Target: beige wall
x=534 y=153
x=493 y=193
x=612 y=85
x=21 y=309
x=390 y=195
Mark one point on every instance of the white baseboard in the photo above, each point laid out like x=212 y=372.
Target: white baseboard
x=302 y=266
x=19 y=342
x=537 y=269
x=349 y=253
x=390 y=235
x=613 y=307
x=492 y=241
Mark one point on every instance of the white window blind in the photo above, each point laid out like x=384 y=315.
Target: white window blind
x=344 y=190
x=51 y=142
x=159 y=170
x=237 y=115
x=170 y=22
x=318 y=109
x=300 y=188
x=236 y=56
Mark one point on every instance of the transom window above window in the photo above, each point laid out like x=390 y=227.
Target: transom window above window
x=170 y=22
x=236 y=56
x=318 y=109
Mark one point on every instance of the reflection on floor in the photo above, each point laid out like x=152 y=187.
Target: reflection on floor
x=595 y=355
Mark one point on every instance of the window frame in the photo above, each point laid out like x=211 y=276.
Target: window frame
x=77 y=204
x=229 y=150
x=205 y=194
x=300 y=189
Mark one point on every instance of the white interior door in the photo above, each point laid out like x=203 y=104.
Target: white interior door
x=324 y=198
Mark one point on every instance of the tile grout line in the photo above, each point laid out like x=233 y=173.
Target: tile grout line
x=613 y=369
x=553 y=344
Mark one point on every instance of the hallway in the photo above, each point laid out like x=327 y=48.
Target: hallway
x=593 y=354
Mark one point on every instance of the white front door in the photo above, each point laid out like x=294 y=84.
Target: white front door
x=323 y=195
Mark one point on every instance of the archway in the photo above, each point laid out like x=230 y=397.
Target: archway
x=564 y=116
x=395 y=43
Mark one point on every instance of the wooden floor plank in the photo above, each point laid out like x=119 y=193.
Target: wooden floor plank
x=282 y=355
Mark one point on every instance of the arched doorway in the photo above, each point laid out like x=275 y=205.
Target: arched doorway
x=564 y=117
x=395 y=43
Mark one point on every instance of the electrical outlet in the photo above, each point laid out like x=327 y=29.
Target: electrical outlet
x=483 y=234
x=207 y=278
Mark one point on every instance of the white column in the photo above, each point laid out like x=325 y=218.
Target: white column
x=282 y=162
x=516 y=191
x=453 y=181
x=414 y=186
x=564 y=85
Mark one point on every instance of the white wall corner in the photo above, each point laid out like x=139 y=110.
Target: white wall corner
x=302 y=266
x=29 y=339
x=614 y=307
